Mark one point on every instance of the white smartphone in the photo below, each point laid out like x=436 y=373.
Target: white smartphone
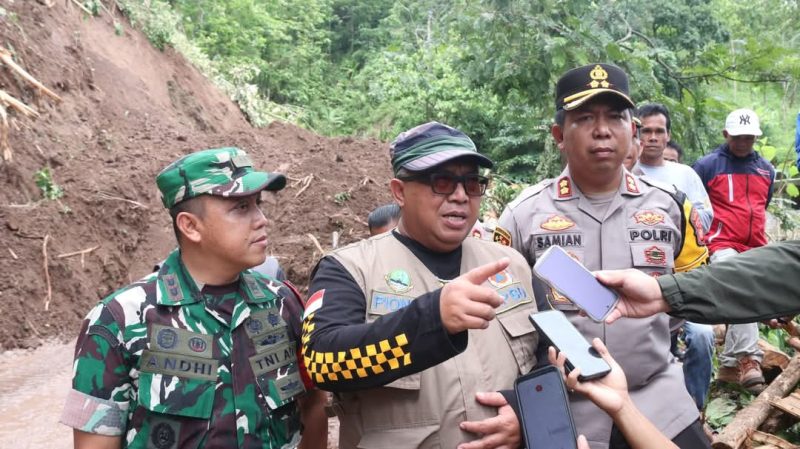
x=571 y=279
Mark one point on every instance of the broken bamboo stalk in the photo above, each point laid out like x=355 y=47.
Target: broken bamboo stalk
x=763 y=437
x=749 y=418
x=4 y=145
x=5 y=56
x=46 y=273
x=18 y=105
x=77 y=253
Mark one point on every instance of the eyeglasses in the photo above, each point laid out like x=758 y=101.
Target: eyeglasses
x=446 y=183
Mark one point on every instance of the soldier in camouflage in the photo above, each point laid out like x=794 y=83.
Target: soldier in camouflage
x=203 y=352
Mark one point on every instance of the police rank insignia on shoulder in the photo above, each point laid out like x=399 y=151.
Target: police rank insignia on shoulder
x=557 y=223
x=630 y=184
x=501 y=236
x=564 y=188
x=648 y=217
x=399 y=281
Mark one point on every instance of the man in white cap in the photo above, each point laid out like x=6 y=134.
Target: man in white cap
x=739 y=183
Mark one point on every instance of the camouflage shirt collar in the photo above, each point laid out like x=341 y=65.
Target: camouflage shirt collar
x=176 y=287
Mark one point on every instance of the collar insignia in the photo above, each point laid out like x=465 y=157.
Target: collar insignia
x=501 y=236
x=630 y=183
x=557 y=223
x=564 y=188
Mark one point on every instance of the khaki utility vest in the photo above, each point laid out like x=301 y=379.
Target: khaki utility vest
x=424 y=409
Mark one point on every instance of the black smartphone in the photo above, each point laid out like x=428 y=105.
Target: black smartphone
x=544 y=410
x=570 y=278
x=554 y=326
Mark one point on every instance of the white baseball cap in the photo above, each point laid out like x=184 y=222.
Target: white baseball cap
x=742 y=122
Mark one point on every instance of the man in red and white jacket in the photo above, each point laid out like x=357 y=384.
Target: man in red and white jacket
x=739 y=183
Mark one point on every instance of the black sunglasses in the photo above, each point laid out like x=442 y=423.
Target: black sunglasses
x=445 y=183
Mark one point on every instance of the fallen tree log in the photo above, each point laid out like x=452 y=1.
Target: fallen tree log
x=773 y=357
x=750 y=418
x=5 y=56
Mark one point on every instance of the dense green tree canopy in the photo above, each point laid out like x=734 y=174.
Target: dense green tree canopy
x=489 y=67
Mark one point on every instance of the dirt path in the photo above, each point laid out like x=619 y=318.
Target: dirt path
x=33 y=385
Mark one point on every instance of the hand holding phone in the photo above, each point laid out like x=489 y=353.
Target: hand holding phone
x=610 y=393
x=554 y=326
x=544 y=410
x=571 y=279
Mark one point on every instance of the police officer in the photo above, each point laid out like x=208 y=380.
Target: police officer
x=416 y=329
x=203 y=352
x=607 y=218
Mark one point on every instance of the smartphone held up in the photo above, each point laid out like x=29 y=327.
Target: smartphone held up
x=572 y=280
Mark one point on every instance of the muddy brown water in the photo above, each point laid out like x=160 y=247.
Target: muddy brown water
x=33 y=386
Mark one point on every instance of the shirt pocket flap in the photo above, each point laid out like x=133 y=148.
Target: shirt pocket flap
x=173 y=395
x=516 y=322
x=394 y=438
x=411 y=382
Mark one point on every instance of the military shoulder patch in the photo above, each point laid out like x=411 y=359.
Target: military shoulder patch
x=501 y=236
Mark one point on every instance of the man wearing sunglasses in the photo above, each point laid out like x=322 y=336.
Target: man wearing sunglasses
x=416 y=329
x=608 y=218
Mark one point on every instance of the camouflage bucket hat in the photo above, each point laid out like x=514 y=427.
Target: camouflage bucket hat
x=226 y=172
x=431 y=144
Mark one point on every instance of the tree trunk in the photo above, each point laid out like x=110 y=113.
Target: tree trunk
x=749 y=418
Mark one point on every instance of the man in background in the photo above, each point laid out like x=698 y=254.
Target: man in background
x=383 y=218
x=673 y=152
x=739 y=183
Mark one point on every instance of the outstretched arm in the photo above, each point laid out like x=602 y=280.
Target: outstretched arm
x=610 y=393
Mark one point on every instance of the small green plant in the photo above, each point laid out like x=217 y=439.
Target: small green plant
x=44 y=180
x=118 y=30
x=341 y=197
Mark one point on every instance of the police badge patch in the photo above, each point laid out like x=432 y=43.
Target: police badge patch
x=501 y=236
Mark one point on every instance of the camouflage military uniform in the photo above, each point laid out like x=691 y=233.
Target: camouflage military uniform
x=167 y=363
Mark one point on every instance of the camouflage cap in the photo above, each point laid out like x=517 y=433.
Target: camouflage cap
x=224 y=172
x=431 y=144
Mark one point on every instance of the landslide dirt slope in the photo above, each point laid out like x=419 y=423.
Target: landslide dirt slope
x=127 y=110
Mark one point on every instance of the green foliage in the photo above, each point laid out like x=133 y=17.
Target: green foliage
x=489 y=67
x=720 y=412
x=341 y=198
x=156 y=19
x=44 y=180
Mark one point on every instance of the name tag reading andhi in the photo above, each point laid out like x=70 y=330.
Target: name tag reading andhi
x=179 y=365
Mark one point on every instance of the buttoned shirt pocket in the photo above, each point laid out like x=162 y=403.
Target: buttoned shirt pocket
x=521 y=336
x=419 y=437
x=653 y=258
x=174 y=395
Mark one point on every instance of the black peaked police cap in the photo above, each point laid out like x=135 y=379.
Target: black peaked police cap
x=579 y=85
